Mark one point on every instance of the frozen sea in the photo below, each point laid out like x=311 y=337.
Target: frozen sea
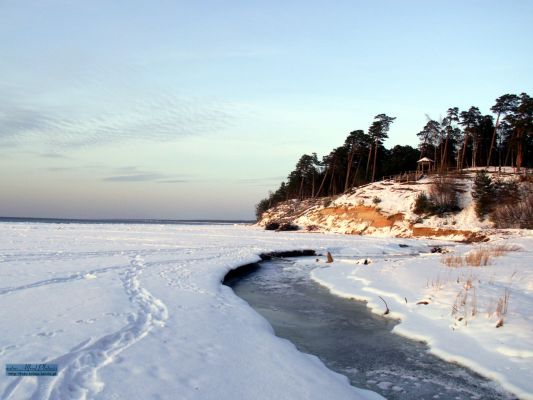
x=138 y=311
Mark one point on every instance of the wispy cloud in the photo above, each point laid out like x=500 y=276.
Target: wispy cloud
x=106 y=110
x=134 y=178
x=174 y=181
x=129 y=173
x=59 y=169
x=135 y=173
x=269 y=181
x=53 y=155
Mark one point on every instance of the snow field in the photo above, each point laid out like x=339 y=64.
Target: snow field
x=455 y=308
x=138 y=311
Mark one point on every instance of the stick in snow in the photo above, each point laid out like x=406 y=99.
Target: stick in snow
x=386 y=306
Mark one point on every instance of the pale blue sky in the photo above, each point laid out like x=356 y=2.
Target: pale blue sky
x=169 y=109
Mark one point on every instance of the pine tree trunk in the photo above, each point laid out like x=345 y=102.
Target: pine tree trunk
x=322 y=183
x=444 y=158
x=354 y=179
x=375 y=161
x=464 y=151
x=348 y=170
x=519 y=151
x=509 y=150
x=368 y=163
x=313 y=184
x=332 y=179
x=493 y=139
x=474 y=150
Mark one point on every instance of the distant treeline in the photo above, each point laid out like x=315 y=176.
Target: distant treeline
x=459 y=140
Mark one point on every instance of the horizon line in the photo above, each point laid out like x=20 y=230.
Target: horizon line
x=119 y=220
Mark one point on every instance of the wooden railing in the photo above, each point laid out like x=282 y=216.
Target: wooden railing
x=413 y=176
x=409 y=176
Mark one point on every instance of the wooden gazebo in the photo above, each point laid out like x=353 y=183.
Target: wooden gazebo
x=424 y=165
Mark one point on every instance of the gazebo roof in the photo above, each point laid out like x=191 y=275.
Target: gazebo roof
x=424 y=159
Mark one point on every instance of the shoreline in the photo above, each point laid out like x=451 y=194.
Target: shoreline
x=208 y=328
x=443 y=342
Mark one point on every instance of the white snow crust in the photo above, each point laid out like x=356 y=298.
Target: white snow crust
x=139 y=311
x=454 y=308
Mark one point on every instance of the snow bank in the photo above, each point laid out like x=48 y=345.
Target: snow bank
x=454 y=307
x=138 y=312
x=385 y=209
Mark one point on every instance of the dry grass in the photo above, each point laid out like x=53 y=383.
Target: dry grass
x=518 y=215
x=503 y=249
x=478 y=257
x=465 y=304
x=436 y=284
x=451 y=260
x=502 y=306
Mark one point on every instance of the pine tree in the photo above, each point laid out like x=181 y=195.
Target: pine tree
x=470 y=120
x=523 y=123
x=483 y=193
x=504 y=104
x=378 y=131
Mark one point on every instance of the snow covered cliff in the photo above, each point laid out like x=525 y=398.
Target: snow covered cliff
x=387 y=208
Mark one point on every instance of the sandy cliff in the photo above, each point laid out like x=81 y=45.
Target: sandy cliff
x=386 y=209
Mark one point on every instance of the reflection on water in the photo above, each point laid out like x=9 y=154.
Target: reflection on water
x=351 y=340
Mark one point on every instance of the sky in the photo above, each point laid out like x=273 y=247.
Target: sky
x=187 y=110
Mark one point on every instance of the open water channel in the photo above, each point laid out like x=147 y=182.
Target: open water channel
x=350 y=339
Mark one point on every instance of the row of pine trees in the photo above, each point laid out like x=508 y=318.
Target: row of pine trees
x=458 y=140
x=471 y=139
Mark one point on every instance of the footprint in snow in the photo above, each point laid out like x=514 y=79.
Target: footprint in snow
x=5 y=349
x=86 y=321
x=48 y=334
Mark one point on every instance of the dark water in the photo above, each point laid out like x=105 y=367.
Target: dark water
x=126 y=221
x=351 y=340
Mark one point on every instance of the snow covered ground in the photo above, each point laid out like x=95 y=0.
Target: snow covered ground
x=386 y=208
x=453 y=306
x=138 y=311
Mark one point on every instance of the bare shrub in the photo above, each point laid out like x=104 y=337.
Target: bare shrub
x=475 y=258
x=506 y=190
x=465 y=304
x=501 y=308
x=503 y=304
x=502 y=249
x=436 y=284
x=422 y=204
x=526 y=178
x=288 y=227
x=519 y=215
x=443 y=195
x=452 y=261
x=473 y=302
x=272 y=226
x=326 y=202
x=478 y=258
